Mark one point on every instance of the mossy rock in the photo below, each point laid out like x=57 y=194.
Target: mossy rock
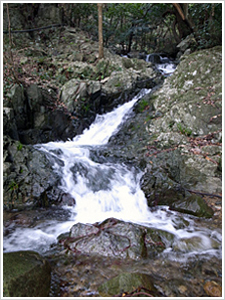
x=127 y=63
x=126 y=283
x=104 y=68
x=25 y=274
x=193 y=205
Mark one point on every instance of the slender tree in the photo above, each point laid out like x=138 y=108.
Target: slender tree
x=11 y=60
x=100 y=33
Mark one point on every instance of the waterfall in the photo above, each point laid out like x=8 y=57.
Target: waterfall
x=101 y=190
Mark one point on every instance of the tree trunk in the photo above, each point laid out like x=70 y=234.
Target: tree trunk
x=184 y=23
x=179 y=9
x=130 y=42
x=11 y=60
x=100 y=33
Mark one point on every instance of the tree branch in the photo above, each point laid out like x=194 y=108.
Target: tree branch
x=179 y=9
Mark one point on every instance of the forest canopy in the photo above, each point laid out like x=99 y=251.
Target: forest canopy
x=139 y=26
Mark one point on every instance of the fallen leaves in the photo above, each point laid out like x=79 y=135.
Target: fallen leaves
x=195 y=150
x=215 y=117
x=160 y=151
x=193 y=146
x=198 y=143
x=140 y=291
x=210 y=159
x=198 y=88
x=208 y=98
x=213 y=289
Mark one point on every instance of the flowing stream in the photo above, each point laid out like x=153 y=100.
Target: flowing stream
x=165 y=66
x=105 y=189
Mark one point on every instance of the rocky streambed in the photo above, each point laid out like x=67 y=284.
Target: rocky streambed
x=172 y=144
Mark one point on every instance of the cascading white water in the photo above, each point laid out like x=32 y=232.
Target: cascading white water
x=166 y=66
x=102 y=190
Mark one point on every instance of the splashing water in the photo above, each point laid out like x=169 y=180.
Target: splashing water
x=103 y=190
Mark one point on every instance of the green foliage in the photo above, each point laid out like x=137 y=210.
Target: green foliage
x=20 y=146
x=171 y=123
x=142 y=105
x=127 y=24
x=86 y=73
x=85 y=106
x=146 y=25
x=118 y=84
x=149 y=118
x=83 y=15
x=184 y=130
x=140 y=26
x=207 y=18
x=13 y=186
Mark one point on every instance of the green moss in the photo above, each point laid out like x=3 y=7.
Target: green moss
x=20 y=147
x=25 y=274
x=149 y=118
x=184 y=130
x=41 y=60
x=142 y=105
x=126 y=282
x=153 y=97
x=13 y=185
x=87 y=73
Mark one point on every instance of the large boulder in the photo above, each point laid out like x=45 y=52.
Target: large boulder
x=48 y=14
x=189 y=44
x=190 y=108
x=28 y=177
x=98 y=89
x=191 y=98
x=116 y=239
x=176 y=135
x=20 y=106
x=25 y=274
x=193 y=205
x=35 y=117
x=82 y=98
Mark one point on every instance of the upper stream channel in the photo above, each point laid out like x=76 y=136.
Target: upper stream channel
x=103 y=189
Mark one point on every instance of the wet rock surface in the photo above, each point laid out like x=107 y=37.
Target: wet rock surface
x=36 y=117
x=126 y=283
x=193 y=205
x=28 y=177
x=82 y=275
x=26 y=274
x=114 y=238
